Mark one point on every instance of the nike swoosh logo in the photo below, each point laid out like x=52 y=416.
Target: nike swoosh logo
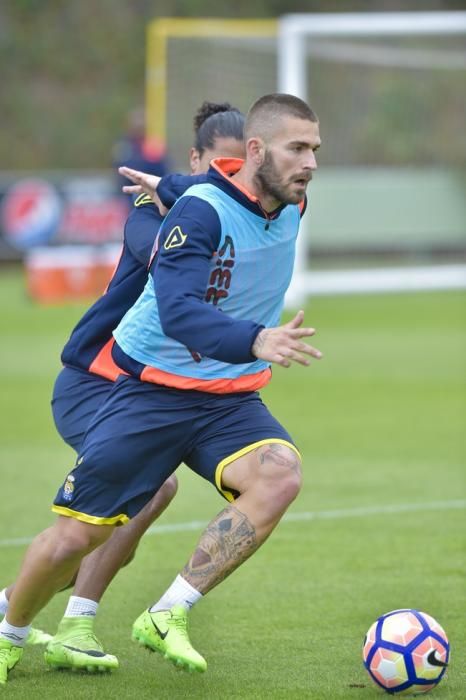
x=90 y=652
x=161 y=634
x=433 y=661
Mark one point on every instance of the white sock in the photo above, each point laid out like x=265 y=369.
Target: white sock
x=3 y=602
x=78 y=607
x=179 y=593
x=12 y=634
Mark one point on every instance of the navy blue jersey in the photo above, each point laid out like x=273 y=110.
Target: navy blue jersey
x=89 y=346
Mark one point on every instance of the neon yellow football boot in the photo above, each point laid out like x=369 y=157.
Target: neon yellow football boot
x=76 y=647
x=166 y=631
x=36 y=636
x=9 y=657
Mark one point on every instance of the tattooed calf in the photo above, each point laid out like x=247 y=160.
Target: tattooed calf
x=228 y=541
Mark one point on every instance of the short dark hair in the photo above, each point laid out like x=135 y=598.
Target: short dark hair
x=264 y=112
x=213 y=120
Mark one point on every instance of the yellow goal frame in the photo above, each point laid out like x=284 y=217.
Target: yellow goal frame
x=159 y=31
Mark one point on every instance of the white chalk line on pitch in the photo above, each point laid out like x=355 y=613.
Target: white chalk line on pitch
x=337 y=514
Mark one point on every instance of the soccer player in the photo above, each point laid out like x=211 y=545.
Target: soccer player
x=197 y=346
x=87 y=378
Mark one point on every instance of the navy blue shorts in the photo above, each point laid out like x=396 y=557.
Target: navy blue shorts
x=141 y=435
x=77 y=396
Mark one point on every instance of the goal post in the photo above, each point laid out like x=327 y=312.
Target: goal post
x=389 y=91
x=293 y=30
x=159 y=34
x=297 y=34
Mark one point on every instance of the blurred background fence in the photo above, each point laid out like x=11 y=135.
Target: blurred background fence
x=390 y=189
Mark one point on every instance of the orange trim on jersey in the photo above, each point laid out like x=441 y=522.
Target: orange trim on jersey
x=104 y=364
x=225 y=166
x=247 y=382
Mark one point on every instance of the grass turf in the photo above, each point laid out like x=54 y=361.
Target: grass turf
x=380 y=422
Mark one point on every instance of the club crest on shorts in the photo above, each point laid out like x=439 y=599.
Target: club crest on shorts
x=175 y=238
x=68 y=488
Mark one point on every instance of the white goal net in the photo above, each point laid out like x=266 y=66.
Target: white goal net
x=193 y=60
x=387 y=209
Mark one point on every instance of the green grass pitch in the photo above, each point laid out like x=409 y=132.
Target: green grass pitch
x=379 y=524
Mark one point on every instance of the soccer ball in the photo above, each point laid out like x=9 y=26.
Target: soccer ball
x=406 y=651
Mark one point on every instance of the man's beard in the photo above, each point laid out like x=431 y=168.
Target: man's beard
x=268 y=179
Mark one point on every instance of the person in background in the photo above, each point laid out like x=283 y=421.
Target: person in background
x=136 y=150
x=87 y=379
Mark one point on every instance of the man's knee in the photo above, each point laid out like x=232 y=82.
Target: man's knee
x=162 y=498
x=155 y=507
x=273 y=469
x=280 y=472
x=168 y=489
x=74 y=538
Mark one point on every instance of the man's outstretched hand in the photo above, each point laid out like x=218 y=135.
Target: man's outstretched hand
x=143 y=182
x=283 y=345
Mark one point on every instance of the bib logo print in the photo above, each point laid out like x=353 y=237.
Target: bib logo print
x=175 y=239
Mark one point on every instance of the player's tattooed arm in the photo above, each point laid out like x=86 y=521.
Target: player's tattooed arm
x=283 y=345
x=225 y=544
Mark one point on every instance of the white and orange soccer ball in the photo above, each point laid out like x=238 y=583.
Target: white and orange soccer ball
x=406 y=651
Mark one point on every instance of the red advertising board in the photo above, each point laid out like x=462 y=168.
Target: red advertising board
x=67 y=228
